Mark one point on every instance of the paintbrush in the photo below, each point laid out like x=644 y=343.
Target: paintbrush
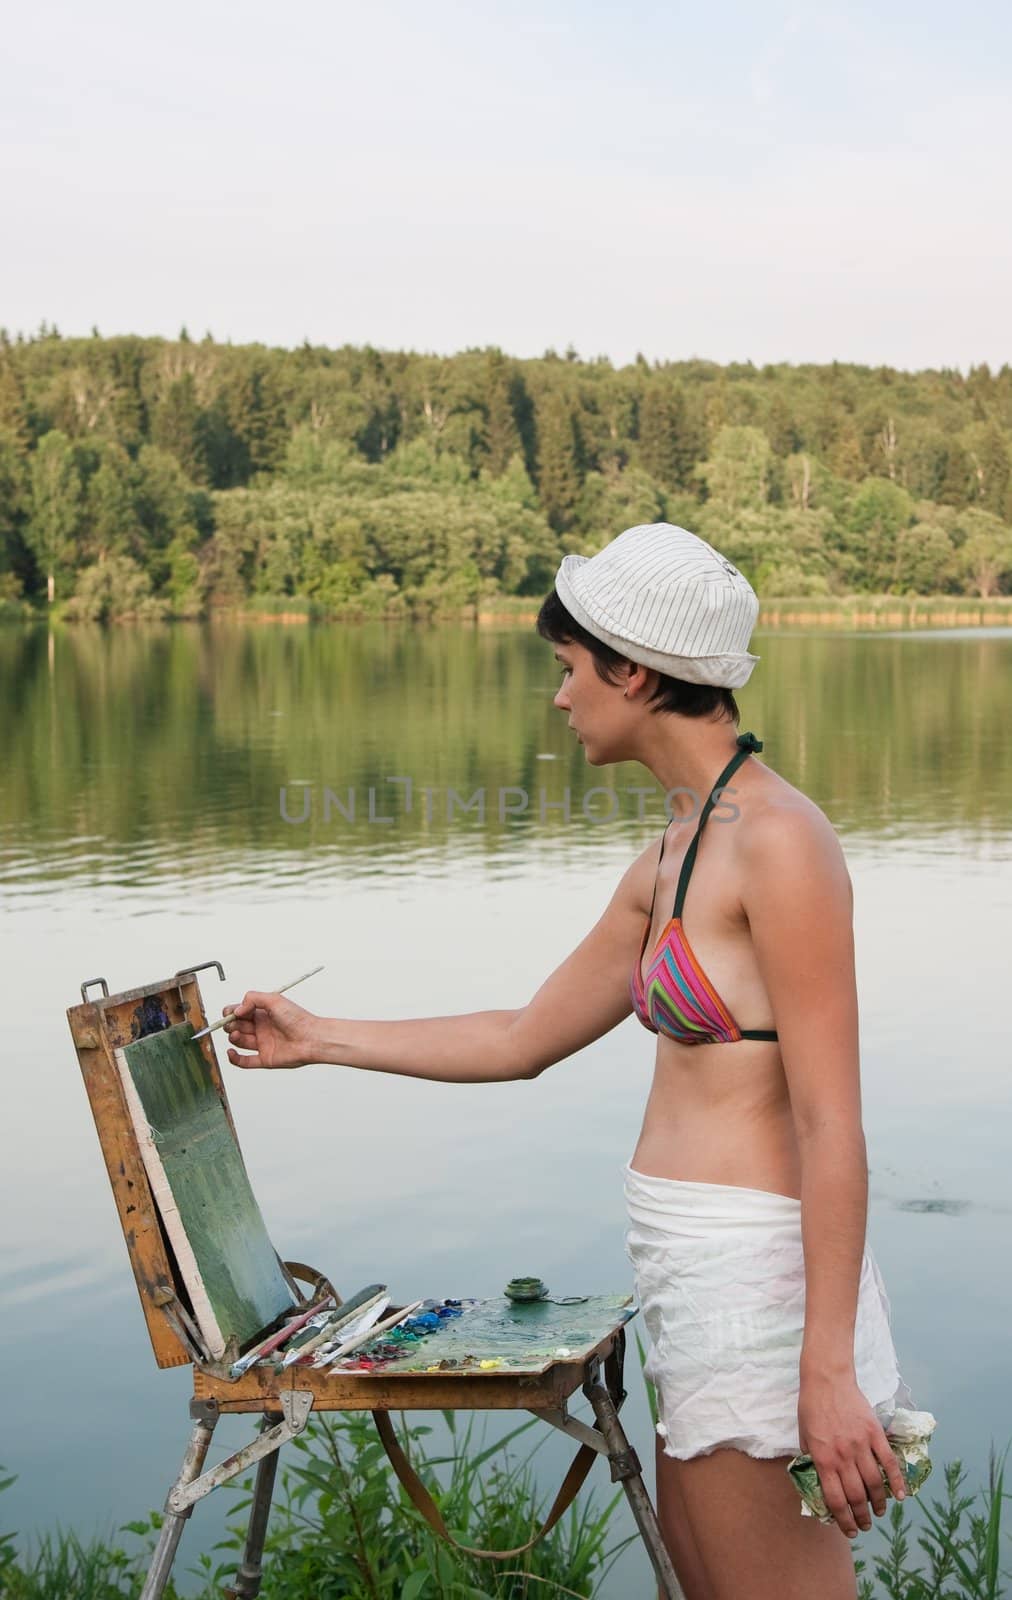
x=266 y=1346
x=309 y=1340
x=370 y=1333
x=283 y=989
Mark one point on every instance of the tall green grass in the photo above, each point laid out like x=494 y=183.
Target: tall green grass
x=960 y=1537
x=342 y=1529
x=345 y=1527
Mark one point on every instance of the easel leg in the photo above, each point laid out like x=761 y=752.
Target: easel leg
x=247 y=1579
x=626 y=1469
x=205 y=1416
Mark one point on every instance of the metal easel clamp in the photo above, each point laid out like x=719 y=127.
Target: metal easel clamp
x=605 y=1400
x=624 y=1464
x=191 y=972
x=559 y=1418
x=296 y=1405
x=205 y=1411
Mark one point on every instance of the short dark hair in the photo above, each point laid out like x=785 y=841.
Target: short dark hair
x=672 y=694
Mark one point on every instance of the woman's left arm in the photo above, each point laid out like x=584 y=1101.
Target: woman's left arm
x=799 y=902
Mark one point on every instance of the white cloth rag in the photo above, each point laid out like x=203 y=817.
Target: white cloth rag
x=720 y=1279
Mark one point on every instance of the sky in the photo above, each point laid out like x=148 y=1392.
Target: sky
x=765 y=182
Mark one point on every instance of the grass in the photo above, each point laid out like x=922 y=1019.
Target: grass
x=342 y=1529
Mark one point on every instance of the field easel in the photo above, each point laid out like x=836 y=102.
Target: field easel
x=284 y=1400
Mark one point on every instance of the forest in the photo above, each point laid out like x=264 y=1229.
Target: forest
x=158 y=478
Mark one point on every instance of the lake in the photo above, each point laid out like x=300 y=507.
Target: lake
x=152 y=795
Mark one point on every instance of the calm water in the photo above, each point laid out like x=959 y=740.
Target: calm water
x=143 y=830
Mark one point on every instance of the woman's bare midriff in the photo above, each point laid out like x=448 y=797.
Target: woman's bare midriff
x=720 y=1113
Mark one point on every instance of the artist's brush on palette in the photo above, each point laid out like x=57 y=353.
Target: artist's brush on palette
x=326 y=1328
x=315 y=1325
x=377 y=1328
x=335 y=1336
x=281 y=989
x=266 y=1346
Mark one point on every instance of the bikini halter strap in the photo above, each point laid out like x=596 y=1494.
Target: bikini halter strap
x=747 y=742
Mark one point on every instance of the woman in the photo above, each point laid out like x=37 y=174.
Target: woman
x=747 y=1191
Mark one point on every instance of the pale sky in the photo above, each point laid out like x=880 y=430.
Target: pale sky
x=766 y=182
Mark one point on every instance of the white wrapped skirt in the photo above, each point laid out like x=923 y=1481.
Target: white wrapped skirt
x=720 y=1280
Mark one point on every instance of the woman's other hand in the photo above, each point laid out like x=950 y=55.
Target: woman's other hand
x=847 y=1444
x=276 y=1031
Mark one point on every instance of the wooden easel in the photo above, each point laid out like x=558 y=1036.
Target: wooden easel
x=285 y=1400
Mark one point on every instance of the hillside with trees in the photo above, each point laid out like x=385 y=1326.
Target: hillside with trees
x=160 y=478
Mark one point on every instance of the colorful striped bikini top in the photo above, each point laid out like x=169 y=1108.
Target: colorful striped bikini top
x=676 y=998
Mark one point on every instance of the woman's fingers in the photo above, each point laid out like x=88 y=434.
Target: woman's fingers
x=837 y=1498
x=890 y=1461
x=243 y=1061
x=266 y=1026
x=848 y=1492
x=856 y=1491
x=241 y=1027
x=874 y=1487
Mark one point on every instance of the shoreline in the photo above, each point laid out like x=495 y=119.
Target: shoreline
x=863 y=612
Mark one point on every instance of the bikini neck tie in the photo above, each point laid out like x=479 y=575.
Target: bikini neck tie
x=748 y=741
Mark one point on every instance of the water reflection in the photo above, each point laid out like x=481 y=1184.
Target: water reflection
x=142 y=830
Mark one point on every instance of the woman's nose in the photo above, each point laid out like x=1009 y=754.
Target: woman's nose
x=561 y=699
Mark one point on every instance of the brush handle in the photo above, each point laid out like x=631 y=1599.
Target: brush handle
x=283 y=989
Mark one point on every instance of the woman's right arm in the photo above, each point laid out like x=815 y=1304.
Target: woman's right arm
x=583 y=999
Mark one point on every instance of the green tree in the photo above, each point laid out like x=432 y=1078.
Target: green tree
x=57 y=497
x=14 y=507
x=992 y=469
x=255 y=431
x=867 y=536
x=844 y=456
x=668 y=441
x=781 y=428
x=114 y=589
x=128 y=419
x=925 y=561
x=558 y=461
x=984 y=560
x=739 y=469
x=501 y=439
x=611 y=501
x=13 y=421
x=513 y=485
x=111 y=525
x=178 y=427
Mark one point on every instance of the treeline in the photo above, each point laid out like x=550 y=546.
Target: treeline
x=153 y=477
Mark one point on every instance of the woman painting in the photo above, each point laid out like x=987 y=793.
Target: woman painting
x=747 y=1191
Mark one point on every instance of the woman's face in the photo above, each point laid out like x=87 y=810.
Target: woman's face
x=597 y=710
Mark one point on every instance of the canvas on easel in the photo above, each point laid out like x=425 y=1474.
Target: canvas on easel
x=230 y=1270
x=212 y=1286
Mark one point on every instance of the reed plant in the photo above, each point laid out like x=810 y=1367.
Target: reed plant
x=342 y=1529
x=960 y=1537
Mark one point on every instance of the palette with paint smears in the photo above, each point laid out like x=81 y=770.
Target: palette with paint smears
x=498 y=1335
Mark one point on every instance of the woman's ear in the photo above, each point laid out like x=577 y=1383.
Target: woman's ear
x=638 y=678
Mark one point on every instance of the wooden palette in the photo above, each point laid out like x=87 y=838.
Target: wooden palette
x=509 y=1337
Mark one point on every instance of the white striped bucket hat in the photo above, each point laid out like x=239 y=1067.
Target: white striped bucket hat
x=663 y=597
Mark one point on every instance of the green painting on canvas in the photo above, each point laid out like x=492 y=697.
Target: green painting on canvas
x=231 y=1271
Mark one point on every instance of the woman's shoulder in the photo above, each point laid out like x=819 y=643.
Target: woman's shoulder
x=782 y=826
